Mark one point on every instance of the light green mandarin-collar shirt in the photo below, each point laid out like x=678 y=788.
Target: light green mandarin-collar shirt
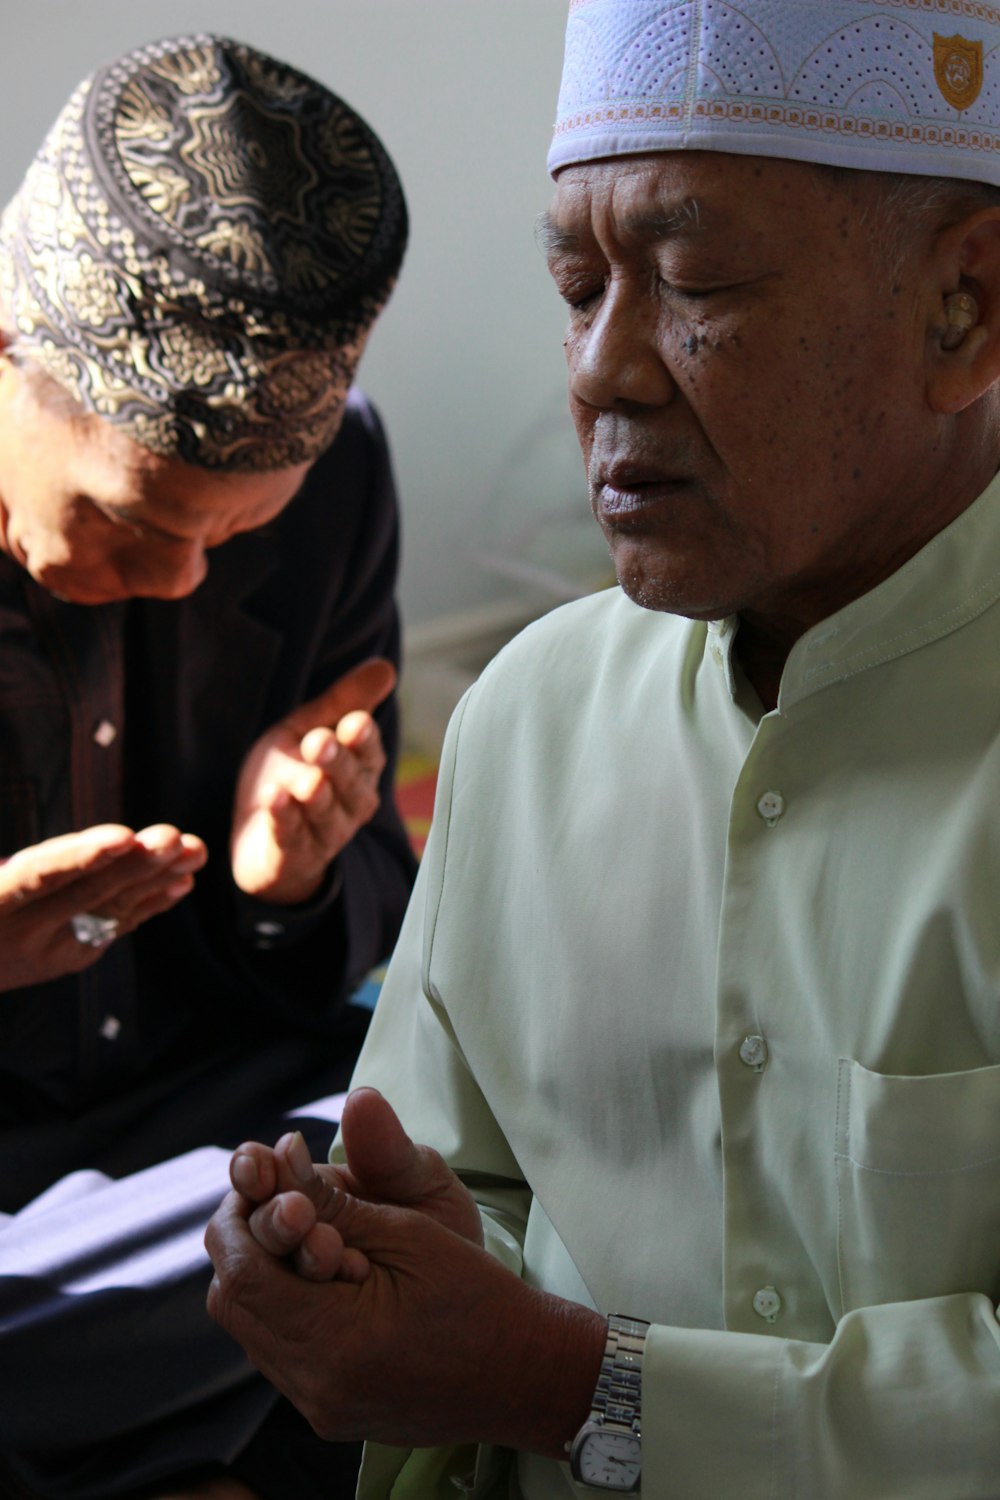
x=704 y=1002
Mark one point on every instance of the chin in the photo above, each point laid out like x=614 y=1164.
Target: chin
x=671 y=596
x=670 y=580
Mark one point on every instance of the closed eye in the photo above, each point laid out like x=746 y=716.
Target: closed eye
x=143 y=530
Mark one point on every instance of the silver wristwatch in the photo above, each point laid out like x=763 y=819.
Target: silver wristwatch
x=607 y=1451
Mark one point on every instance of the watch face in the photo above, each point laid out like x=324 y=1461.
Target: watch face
x=609 y=1460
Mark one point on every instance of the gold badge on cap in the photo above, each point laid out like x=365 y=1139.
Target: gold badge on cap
x=958 y=68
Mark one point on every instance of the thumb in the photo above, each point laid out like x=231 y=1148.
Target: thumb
x=364 y=687
x=382 y=1159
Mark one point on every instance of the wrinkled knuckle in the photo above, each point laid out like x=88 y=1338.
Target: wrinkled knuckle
x=236 y=1283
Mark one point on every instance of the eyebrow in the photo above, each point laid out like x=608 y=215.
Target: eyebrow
x=553 y=239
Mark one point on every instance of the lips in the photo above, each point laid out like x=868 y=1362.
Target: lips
x=622 y=491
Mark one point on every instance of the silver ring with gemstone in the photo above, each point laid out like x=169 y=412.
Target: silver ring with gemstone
x=93 y=931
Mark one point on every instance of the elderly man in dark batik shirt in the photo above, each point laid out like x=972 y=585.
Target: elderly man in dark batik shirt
x=187 y=279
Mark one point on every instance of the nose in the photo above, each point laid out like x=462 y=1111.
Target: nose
x=615 y=358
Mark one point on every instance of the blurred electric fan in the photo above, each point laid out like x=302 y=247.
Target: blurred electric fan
x=536 y=528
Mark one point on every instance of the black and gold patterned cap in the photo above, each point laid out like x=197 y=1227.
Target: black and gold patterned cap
x=199 y=250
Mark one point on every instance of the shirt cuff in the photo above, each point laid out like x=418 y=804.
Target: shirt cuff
x=267 y=924
x=711 y=1405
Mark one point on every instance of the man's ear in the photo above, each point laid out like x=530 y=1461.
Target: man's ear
x=963 y=319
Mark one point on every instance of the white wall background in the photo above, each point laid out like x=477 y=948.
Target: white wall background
x=466 y=364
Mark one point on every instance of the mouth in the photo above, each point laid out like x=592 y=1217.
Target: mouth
x=625 y=494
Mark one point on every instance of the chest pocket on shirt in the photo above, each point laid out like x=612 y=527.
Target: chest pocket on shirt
x=18 y=817
x=918 y=1185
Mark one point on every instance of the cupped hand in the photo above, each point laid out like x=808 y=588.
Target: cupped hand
x=308 y=785
x=109 y=871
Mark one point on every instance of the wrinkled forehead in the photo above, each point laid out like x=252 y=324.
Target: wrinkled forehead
x=875 y=85
x=699 y=197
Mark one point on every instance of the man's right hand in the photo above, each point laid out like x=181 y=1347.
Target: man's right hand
x=108 y=871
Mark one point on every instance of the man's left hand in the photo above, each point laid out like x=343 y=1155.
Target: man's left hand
x=308 y=785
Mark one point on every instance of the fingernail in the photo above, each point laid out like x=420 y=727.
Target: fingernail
x=329 y=754
x=306 y=1258
x=299 y=1159
x=245 y=1176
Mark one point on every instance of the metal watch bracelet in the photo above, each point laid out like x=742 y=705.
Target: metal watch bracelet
x=618 y=1396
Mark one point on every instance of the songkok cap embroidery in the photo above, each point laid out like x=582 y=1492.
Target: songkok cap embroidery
x=909 y=86
x=199 y=250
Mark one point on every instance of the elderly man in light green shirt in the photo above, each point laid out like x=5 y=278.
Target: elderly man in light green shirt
x=697 y=1004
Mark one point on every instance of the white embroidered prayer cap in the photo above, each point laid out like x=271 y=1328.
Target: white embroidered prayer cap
x=907 y=86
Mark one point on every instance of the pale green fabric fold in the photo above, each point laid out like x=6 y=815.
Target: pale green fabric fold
x=634 y=874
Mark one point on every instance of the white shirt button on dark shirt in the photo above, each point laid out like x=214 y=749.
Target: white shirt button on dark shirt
x=264 y=933
x=110 y=1027
x=105 y=734
x=753 y=1052
x=771 y=806
x=767 y=1303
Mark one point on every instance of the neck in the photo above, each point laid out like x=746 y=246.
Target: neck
x=762 y=657
x=767 y=635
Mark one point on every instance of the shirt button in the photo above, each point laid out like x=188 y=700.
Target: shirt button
x=767 y=1304
x=110 y=1027
x=105 y=734
x=771 y=806
x=753 y=1052
x=266 y=932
